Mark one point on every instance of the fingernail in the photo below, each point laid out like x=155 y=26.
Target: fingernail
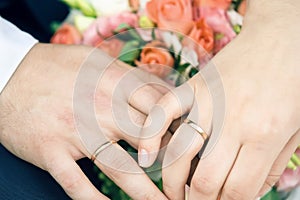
x=143 y=158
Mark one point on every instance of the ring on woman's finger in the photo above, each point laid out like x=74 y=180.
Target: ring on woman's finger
x=101 y=148
x=196 y=128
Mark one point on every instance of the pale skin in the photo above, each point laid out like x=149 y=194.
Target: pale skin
x=37 y=122
x=260 y=75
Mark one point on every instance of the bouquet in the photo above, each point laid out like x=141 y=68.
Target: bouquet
x=172 y=39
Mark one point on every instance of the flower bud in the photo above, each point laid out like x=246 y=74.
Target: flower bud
x=145 y=22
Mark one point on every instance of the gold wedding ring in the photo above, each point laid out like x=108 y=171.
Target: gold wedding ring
x=101 y=148
x=196 y=128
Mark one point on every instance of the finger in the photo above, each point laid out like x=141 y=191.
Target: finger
x=125 y=172
x=251 y=167
x=125 y=122
x=68 y=174
x=145 y=91
x=182 y=148
x=125 y=85
x=144 y=98
x=280 y=165
x=128 y=121
x=212 y=170
x=173 y=105
x=159 y=84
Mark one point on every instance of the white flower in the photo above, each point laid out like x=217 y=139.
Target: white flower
x=172 y=40
x=143 y=4
x=189 y=56
x=235 y=17
x=83 y=22
x=110 y=7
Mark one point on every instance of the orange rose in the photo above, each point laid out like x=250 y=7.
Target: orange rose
x=66 y=34
x=173 y=15
x=156 y=59
x=203 y=35
x=223 y=4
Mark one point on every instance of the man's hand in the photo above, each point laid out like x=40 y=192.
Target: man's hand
x=39 y=125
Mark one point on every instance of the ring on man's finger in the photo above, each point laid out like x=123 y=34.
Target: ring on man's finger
x=101 y=148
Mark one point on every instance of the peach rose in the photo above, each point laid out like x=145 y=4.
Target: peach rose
x=173 y=15
x=66 y=34
x=156 y=59
x=223 y=4
x=219 y=21
x=134 y=4
x=203 y=35
x=242 y=8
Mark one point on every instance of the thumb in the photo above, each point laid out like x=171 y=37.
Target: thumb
x=171 y=106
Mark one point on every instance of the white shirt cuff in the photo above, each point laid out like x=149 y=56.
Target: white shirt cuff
x=14 y=45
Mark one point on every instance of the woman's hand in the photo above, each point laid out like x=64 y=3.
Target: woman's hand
x=260 y=129
x=45 y=116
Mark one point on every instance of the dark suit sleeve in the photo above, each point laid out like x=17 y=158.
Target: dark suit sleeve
x=34 y=16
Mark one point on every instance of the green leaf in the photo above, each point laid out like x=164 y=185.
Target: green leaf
x=153 y=34
x=193 y=72
x=272 y=195
x=182 y=68
x=121 y=27
x=134 y=34
x=130 y=51
x=177 y=59
x=54 y=26
x=126 y=33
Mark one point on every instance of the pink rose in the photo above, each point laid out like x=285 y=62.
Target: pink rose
x=104 y=27
x=290 y=178
x=66 y=34
x=220 y=43
x=111 y=46
x=173 y=15
x=156 y=59
x=223 y=4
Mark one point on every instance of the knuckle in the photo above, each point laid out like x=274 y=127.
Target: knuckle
x=150 y=196
x=169 y=191
x=204 y=185
x=271 y=180
x=233 y=193
x=71 y=184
